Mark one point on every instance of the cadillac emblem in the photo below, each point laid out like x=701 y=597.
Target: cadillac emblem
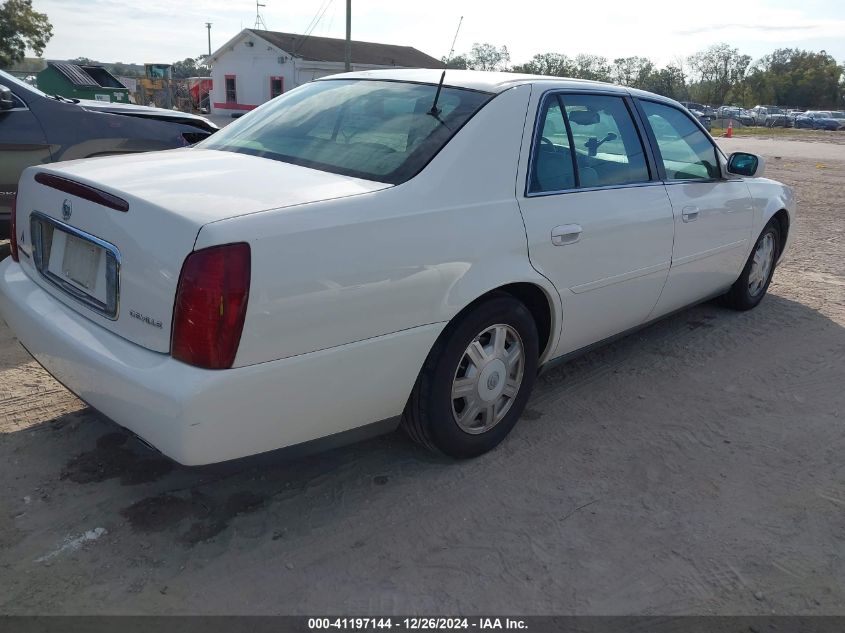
x=67 y=209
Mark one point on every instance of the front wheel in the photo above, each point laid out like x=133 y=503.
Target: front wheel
x=476 y=380
x=754 y=281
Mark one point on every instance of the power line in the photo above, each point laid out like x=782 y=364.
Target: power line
x=317 y=16
x=315 y=22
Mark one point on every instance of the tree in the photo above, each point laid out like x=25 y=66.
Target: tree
x=84 y=61
x=668 y=82
x=488 y=57
x=717 y=70
x=552 y=64
x=120 y=69
x=591 y=67
x=458 y=62
x=189 y=67
x=632 y=71
x=796 y=77
x=21 y=28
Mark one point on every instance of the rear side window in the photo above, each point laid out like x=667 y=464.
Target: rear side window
x=377 y=130
x=586 y=141
x=686 y=152
x=554 y=166
x=607 y=145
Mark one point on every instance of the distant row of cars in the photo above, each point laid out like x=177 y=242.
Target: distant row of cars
x=769 y=116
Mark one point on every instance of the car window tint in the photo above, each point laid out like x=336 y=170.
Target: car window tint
x=685 y=150
x=553 y=167
x=607 y=146
x=377 y=130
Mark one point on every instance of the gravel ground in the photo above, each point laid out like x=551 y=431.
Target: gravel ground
x=695 y=467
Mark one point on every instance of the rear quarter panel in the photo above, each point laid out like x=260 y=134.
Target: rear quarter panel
x=335 y=272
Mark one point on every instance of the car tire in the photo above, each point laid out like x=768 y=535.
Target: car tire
x=465 y=370
x=753 y=282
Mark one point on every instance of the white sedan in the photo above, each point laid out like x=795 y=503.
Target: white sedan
x=379 y=248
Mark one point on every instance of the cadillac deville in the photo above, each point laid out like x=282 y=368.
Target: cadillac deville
x=375 y=249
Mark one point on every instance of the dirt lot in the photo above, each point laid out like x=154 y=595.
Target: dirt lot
x=696 y=467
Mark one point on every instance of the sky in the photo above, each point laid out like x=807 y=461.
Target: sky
x=146 y=31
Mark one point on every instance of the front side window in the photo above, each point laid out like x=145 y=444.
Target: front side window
x=377 y=130
x=586 y=141
x=686 y=151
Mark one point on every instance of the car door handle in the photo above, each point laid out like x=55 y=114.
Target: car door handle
x=689 y=214
x=566 y=234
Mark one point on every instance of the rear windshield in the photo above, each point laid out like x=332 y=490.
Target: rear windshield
x=376 y=130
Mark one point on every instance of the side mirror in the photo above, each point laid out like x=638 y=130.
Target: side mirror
x=744 y=164
x=7 y=101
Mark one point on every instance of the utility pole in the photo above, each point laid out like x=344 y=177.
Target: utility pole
x=348 y=55
x=208 y=59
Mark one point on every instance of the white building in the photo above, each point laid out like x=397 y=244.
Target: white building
x=255 y=66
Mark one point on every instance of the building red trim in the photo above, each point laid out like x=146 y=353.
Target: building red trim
x=235 y=106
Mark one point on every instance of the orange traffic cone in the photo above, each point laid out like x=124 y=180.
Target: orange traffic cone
x=729 y=133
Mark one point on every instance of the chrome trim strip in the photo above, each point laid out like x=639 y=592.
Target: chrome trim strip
x=111 y=309
x=708 y=253
x=609 y=281
x=539 y=194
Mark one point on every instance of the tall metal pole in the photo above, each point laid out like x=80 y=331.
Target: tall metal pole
x=348 y=56
x=208 y=26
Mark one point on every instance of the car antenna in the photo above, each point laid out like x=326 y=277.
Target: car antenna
x=434 y=110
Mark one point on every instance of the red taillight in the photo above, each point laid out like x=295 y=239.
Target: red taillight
x=210 y=308
x=13 y=230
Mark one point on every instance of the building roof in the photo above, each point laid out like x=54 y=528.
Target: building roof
x=330 y=49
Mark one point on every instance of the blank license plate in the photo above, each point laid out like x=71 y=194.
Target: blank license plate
x=81 y=262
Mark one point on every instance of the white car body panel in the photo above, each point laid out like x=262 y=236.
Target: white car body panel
x=713 y=222
x=198 y=416
x=621 y=258
x=379 y=263
x=354 y=280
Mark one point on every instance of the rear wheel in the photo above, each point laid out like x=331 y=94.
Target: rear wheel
x=754 y=281
x=476 y=381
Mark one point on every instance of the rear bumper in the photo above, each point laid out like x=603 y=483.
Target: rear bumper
x=198 y=416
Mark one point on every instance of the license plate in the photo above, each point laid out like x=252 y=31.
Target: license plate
x=81 y=262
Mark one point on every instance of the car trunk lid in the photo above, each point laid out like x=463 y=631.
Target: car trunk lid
x=108 y=236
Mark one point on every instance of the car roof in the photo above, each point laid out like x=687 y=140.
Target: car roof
x=494 y=82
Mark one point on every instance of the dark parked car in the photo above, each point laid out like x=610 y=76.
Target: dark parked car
x=737 y=114
x=706 y=110
x=817 y=120
x=36 y=128
x=703 y=118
